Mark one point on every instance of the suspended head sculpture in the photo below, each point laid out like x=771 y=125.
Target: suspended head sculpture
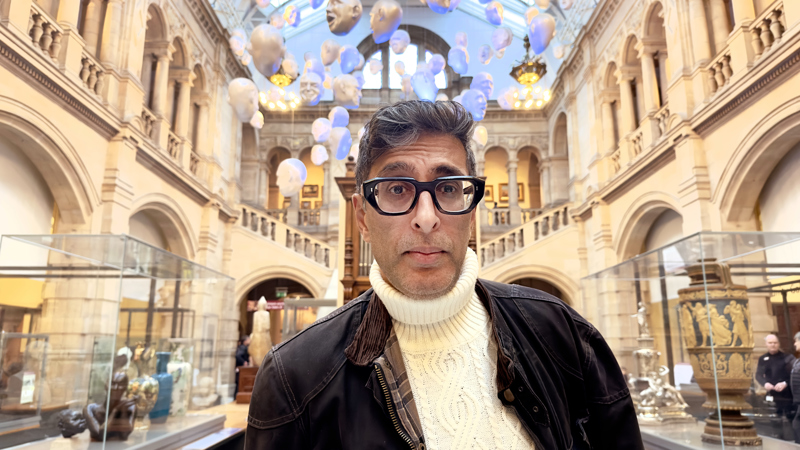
x=316 y=3
x=507 y=97
x=424 y=84
x=540 y=32
x=243 y=97
x=441 y=97
x=501 y=38
x=277 y=21
x=246 y=58
x=348 y=58
x=399 y=41
x=321 y=129
x=384 y=18
x=480 y=135
x=558 y=51
x=475 y=102
x=442 y=6
x=543 y=4
x=343 y=15
x=289 y=66
x=485 y=54
x=267 y=49
x=314 y=65
x=375 y=66
x=530 y=13
x=406 y=87
x=310 y=88
x=436 y=63
x=319 y=154
x=461 y=39
x=292 y=16
x=494 y=13
x=327 y=82
x=361 y=62
x=458 y=59
x=483 y=82
x=329 y=52
x=257 y=121
x=400 y=68
x=339 y=117
x=292 y=174
x=340 y=142
x=346 y=91
x=359 y=76
x=238 y=41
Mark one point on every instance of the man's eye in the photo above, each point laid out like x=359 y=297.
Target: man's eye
x=396 y=190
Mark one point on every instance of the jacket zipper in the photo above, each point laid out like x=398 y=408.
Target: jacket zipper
x=390 y=405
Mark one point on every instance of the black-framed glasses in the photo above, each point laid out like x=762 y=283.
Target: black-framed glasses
x=395 y=196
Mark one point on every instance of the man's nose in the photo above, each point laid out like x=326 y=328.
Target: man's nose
x=425 y=218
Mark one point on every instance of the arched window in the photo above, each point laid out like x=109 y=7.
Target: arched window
x=424 y=45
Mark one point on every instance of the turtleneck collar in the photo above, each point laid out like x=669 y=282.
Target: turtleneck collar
x=411 y=311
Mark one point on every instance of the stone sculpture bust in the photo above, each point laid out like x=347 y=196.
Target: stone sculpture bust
x=260 y=341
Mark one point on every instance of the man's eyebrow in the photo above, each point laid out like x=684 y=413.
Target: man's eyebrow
x=446 y=170
x=397 y=166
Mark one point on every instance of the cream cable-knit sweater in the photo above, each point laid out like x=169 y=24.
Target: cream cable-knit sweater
x=452 y=365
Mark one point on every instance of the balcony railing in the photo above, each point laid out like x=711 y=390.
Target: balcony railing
x=768 y=29
x=498 y=216
x=194 y=163
x=278 y=214
x=148 y=122
x=529 y=214
x=45 y=32
x=538 y=228
x=309 y=217
x=174 y=146
x=720 y=71
x=92 y=73
x=258 y=221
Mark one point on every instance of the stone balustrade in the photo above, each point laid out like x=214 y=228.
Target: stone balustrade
x=148 y=122
x=720 y=71
x=768 y=29
x=636 y=143
x=45 y=32
x=539 y=227
x=529 y=214
x=498 y=216
x=261 y=222
x=174 y=146
x=309 y=217
x=662 y=116
x=194 y=163
x=278 y=214
x=92 y=73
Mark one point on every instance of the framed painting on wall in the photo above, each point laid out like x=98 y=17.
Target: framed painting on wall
x=305 y=204
x=504 y=192
x=310 y=191
x=488 y=194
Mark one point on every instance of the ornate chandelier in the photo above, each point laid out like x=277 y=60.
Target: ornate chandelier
x=279 y=99
x=531 y=69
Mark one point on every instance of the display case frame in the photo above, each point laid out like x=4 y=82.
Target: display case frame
x=706 y=301
x=80 y=288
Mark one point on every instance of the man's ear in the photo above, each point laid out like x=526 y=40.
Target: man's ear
x=360 y=214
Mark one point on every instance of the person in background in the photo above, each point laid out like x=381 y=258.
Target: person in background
x=242 y=358
x=773 y=371
x=795 y=386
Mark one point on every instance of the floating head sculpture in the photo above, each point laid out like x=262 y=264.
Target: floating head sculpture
x=457 y=59
x=339 y=117
x=346 y=91
x=319 y=154
x=243 y=97
x=310 y=88
x=400 y=68
x=384 y=18
x=292 y=16
x=399 y=41
x=321 y=129
x=348 y=58
x=541 y=31
x=375 y=66
x=494 y=13
x=480 y=135
x=343 y=15
x=501 y=38
x=436 y=63
x=475 y=102
x=340 y=142
x=507 y=97
x=484 y=83
x=267 y=49
x=329 y=52
x=485 y=54
x=292 y=174
x=424 y=85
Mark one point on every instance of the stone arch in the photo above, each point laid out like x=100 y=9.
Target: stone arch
x=752 y=163
x=173 y=221
x=156 y=23
x=55 y=158
x=559 y=134
x=274 y=157
x=559 y=279
x=638 y=219
x=180 y=55
x=610 y=79
x=629 y=56
x=246 y=283
x=531 y=157
x=155 y=43
x=651 y=20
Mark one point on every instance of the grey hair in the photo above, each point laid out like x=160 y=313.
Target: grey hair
x=797 y=336
x=402 y=124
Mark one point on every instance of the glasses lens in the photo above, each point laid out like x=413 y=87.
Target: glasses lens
x=455 y=195
x=394 y=196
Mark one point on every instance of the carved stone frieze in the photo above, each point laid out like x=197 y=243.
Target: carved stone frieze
x=515 y=143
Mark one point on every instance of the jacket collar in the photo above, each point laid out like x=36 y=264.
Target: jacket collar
x=370 y=338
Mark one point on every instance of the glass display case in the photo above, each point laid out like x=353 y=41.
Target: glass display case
x=688 y=323
x=106 y=338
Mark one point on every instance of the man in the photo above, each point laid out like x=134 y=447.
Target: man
x=242 y=359
x=774 y=372
x=432 y=357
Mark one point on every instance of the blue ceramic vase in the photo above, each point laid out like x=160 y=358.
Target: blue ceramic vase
x=161 y=409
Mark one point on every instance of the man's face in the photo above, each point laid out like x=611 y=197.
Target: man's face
x=343 y=15
x=310 y=88
x=772 y=344
x=420 y=253
x=246 y=341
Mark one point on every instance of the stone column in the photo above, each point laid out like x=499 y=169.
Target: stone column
x=161 y=85
x=182 y=112
x=91 y=28
x=147 y=75
x=626 y=102
x=663 y=75
x=263 y=184
x=68 y=12
x=649 y=81
x=609 y=136
x=202 y=127
x=513 y=196
x=700 y=43
x=743 y=12
x=719 y=23
x=112 y=29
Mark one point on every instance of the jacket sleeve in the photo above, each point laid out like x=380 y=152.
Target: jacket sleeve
x=612 y=420
x=273 y=421
x=761 y=370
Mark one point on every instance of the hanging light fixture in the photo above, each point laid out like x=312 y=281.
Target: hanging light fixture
x=281 y=78
x=531 y=69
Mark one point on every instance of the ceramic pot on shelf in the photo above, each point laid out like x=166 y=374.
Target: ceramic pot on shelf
x=716 y=327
